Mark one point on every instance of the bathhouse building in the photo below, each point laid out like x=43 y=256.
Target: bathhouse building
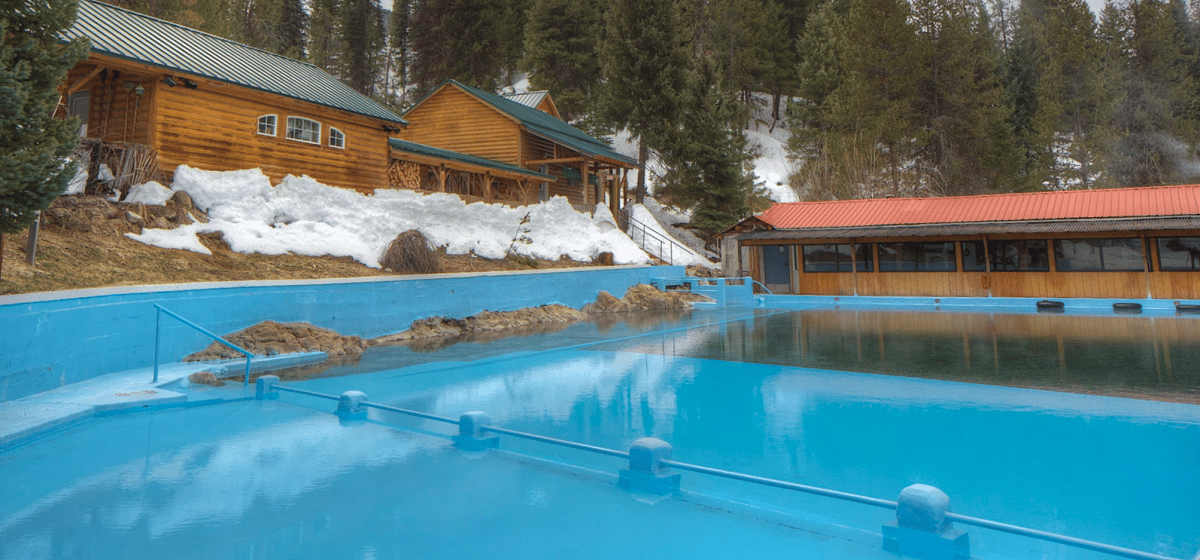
x=1111 y=243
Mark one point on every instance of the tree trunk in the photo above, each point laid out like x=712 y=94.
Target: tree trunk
x=1 y=255
x=643 y=155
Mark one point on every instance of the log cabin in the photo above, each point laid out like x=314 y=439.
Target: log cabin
x=1112 y=243
x=154 y=95
x=467 y=120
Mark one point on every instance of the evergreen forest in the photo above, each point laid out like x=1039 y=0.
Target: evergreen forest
x=881 y=97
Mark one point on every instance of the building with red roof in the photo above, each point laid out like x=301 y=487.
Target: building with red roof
x=1113 y=243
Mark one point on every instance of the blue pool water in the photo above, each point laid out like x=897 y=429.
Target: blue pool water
x=746 y=390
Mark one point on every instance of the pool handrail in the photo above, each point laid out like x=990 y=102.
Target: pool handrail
x=782 y=484
x=158 y=333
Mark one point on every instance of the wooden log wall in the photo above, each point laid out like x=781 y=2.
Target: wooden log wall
x=451 y=119
x=215 y=127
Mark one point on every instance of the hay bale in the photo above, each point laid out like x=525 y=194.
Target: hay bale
x=410 y=253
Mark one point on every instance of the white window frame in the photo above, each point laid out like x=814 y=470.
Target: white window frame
x=341 y=136
x=292 y=128
x=274 y=120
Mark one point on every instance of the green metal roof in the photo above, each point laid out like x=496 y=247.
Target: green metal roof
x=544 y=125
x=422 y=149
x=132 y=36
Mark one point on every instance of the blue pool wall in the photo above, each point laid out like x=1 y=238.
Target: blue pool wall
x=56 y=339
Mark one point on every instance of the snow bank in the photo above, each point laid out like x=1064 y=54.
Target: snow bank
x=304 y=217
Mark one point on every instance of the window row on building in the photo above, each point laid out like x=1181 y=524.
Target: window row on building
x=1000 y=255
x=301 y=129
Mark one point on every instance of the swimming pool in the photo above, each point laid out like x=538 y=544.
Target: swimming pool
x=742 y=389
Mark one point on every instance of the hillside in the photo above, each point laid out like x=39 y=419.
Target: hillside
x=82 y=244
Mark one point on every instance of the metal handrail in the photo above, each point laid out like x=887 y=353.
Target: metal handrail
x=782 y=484
x=671 y=244
x=205 y=332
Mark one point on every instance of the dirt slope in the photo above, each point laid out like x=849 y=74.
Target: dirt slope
x=82 y=244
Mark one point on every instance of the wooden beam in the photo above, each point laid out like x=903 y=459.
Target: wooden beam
x=555 y=160
x=85 y=79
x=441 y=174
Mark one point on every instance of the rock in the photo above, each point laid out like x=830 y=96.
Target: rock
x=161 y=223
x=604 y=259
x=606 y=303
x=270 y=338
x=643 y=297
x=483 y=322
x=133 y=218
x=203 y=378
x=182 y=200
x=702 y=271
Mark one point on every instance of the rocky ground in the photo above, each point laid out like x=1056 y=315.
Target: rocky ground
x=270 y=337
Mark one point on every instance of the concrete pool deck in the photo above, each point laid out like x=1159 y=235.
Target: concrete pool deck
x=28 y=418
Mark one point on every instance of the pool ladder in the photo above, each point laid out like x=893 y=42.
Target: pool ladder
x=916 y=532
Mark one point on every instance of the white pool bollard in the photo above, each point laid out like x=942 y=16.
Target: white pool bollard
x=921 y=529
x=264 y=387
x=471 y=435
x=350 y=406
x=646 y=472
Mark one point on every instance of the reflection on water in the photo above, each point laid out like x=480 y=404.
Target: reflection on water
x=1127 y=356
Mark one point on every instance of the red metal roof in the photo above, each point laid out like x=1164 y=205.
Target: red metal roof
x=1182 y=200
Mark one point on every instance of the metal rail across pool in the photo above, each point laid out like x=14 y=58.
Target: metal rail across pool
x=782 y=484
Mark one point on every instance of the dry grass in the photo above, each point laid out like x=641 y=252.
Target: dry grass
x=410 y=253
x=92 y=251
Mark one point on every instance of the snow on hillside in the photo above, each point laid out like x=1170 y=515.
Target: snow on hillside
x=655 y=240
x=304 y=217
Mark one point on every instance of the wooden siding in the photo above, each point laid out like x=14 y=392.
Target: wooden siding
x=116 y=115
x=215 y=127
x=1050 y=284
x=451 y=119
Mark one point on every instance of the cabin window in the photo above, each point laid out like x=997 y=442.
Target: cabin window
x=336 y=138
x=837 y=258
x=304 y=130
x=1179 y=253
x=79 y=105
x=917 y=257
x=266 y=125
x=974 y=259
x=1098 y=254
x=1026 y=255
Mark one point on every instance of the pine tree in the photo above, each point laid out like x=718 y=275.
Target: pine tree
x=883 y=65
x=399 y=50
x=561 y=37
x=707 y=155
x=969 y=147
x=456 y=39
x=747 y=39
x=362 y=33
x=33 y=144
x=326 y=44
x=1075 y=101
x=292 y=29
x=811 y=116
x=644 y=59
x=1157 y=115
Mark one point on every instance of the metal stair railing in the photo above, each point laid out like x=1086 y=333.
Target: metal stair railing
x=158 y=334
x=665 y=245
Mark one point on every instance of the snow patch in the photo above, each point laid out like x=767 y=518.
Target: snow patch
x=152 y=193
x=305 y=217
